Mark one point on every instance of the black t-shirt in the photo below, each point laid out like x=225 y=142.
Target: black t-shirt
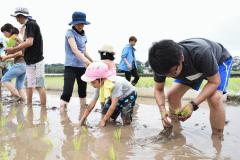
x=201 y=60
x=34 y=53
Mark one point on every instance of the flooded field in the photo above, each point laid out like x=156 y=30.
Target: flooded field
x=35 y=133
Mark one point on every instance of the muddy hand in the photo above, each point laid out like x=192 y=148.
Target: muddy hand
x=185 y=112
x=102 y=123
x=82 y=123
x=166 y=120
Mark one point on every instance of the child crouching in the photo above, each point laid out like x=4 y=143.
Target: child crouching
x=116 y=92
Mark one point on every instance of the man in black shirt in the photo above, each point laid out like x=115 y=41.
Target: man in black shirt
x=190 y=62
x=32 y=47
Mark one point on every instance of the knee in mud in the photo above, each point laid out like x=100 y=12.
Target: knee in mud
x=127 y=119
x=126 y=116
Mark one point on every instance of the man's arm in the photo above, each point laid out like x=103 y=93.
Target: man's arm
x=209 y=89
x=160 y=99
x=160 y=96
x=9 y=56
x=211 y=86
x=124 y=57
x=128 y=64
x=109 y=112
x=27 y=43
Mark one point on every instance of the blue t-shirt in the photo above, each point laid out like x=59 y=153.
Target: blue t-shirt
x=70 y=58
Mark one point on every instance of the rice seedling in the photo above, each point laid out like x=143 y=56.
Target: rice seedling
x=117 y=134
x=112 y=154
x=3 y=122
x=4 y=155
x=77 y=141
x=19 y=127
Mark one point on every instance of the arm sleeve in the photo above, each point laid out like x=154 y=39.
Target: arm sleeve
x=124 y=53
x=159 y=78
x=117 y=91
x=69 y=34
x=30 y=30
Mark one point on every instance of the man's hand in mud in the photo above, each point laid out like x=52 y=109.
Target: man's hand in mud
x=102 y=123
x=166 y=120
x=82 y=123
x=185 y=112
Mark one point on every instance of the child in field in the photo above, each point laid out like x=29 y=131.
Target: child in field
x=107 y=56
x=116 y=92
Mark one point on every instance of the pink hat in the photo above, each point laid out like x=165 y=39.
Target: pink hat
x=97 y=70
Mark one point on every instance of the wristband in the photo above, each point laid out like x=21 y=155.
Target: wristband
x=195 y=106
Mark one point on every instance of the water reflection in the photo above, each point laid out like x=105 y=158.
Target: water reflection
x=22 y=136
x=34 y=132
x=93 y=142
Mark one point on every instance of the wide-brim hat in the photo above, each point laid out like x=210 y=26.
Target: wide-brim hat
x=107 y=48
x=86 y=78
x=21 y=11
x=79 y=18
x=98 y=70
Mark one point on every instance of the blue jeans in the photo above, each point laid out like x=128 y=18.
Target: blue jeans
x=17 y=71
x=125 y=107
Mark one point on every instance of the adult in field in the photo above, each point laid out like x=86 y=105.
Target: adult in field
x=32 y=47
x=190 y=62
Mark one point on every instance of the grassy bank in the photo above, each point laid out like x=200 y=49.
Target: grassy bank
x=56 y=83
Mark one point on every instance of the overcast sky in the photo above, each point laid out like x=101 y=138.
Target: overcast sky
x=113 y=21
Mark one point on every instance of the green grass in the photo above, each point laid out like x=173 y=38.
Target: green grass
x=56 y=83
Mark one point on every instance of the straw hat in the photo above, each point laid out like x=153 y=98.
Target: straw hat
x=107 y=48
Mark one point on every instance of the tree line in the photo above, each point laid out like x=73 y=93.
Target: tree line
x=142 y=67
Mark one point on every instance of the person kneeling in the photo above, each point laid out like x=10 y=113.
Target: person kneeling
x=116 y=92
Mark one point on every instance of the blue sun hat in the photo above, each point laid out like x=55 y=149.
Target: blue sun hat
x=79 y=18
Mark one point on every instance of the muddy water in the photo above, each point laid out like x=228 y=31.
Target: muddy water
x=35 y=133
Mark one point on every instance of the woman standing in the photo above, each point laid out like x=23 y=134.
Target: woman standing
x=76 y=59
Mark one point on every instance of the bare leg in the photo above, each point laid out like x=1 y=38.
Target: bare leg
x=82 y=106
x=22 y=93
x=11 y=88
x=217 y=113
x=42 y=95
x=29 y=96
x=63 y=105
x=82 y=102
x=174 y=97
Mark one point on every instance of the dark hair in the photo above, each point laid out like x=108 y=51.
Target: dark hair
x=1 y=45
x=163 y=55
x=132 y=38
x=106 y=55
x=9 y=28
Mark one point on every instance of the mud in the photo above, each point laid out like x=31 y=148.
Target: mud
x=37 y=133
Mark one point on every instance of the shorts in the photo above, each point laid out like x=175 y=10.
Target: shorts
x=125 y=107
x=224 y=71
x=17 y=71
x=35 y=75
